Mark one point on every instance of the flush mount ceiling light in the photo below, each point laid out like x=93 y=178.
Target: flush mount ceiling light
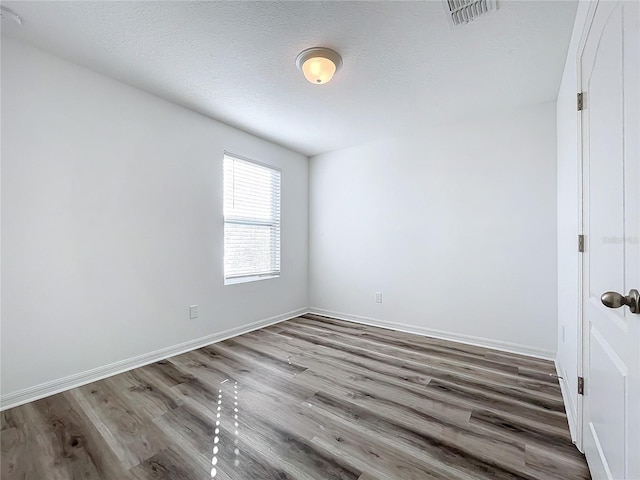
x=8 y=14
x=318 y=64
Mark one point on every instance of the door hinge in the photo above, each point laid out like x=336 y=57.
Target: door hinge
x=580 y=101
x=580 y=386
x=581 y=243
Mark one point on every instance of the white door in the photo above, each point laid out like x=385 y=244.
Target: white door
x=609 y=74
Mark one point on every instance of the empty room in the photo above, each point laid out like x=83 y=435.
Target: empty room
x=304 y=240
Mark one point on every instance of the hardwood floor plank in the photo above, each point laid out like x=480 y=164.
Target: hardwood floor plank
x=250 y=453
x=418 y=340
x=17 y=440
x=167 y=372
x=528 y=432
x=421 y=353
x=427 y=441
x=353 y=345
x=471 y=377
x=442 y=427
x=362 y=450
x=249 y=373
x=545 y=463
x=467 y=400
x=147 y=396
x=310 y=398
x=169 y=464
x=129 y=435
x=66 y=445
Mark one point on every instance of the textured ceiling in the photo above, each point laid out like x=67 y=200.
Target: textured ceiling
x=404 y=67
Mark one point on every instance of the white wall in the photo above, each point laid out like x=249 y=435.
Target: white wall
x=455 y=226
x=112 y=222
x=568 y=224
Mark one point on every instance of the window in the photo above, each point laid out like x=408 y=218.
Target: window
x=251 y=221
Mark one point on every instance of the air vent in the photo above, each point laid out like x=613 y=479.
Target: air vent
x=461 y=12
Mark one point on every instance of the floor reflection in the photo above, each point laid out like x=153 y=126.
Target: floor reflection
x=216 y=438
x=222 y=421
x=236 y=451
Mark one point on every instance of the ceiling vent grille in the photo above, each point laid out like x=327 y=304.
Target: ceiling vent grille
x=461 y=12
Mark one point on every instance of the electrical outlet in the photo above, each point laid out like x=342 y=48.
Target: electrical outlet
x=378 y=297
x=193 y=311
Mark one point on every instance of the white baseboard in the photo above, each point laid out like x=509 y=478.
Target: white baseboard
x=60 y=385
x=30 y=394
x=569 y=407
x=454 y=337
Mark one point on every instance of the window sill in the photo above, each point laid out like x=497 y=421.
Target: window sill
x=255 y=278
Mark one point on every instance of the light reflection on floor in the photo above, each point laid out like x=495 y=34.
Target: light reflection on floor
x=216 y=438
x=236 y=462
x=218 y=435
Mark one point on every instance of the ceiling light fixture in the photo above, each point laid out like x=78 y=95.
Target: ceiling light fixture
x=8 y=14
x=318 y=64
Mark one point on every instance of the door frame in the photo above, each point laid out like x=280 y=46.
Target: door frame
x=583 y=334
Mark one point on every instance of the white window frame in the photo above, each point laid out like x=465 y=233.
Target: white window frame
x=273 y=223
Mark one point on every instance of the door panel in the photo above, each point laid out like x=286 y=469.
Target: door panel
x=609 y=65
x=609 y=375
x=606 y=198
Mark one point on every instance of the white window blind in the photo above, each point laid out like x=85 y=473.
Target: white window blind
x=251 y=220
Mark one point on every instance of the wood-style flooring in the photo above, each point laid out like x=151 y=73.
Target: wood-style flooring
x=310 y=398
